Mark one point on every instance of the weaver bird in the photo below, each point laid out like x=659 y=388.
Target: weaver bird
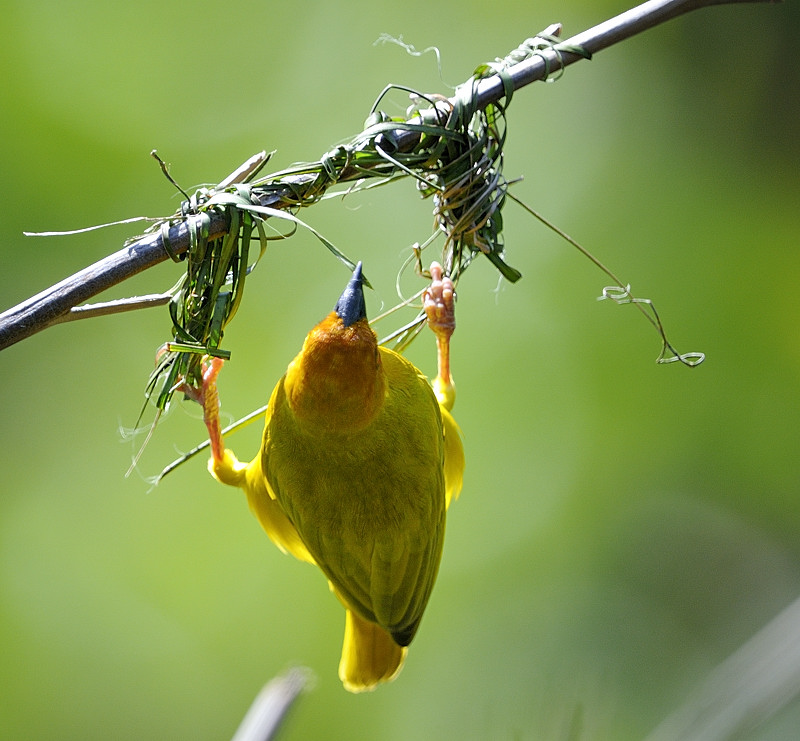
x=359 y=460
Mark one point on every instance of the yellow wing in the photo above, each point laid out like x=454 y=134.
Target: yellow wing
x=453 y=457
x=263 y=505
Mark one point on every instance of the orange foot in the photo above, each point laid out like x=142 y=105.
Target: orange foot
x=208 y=398
x=439 y=304
x=210 y=401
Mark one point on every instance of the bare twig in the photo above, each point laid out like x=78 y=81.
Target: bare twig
x=268 y=710
x=51 y=305
x=119 y=306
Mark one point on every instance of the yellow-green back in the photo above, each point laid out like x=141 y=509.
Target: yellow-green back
x=369 y=501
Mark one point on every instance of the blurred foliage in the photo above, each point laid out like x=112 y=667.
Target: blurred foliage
x=624 y=526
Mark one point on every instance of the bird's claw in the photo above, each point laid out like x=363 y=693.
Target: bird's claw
x=439 y=303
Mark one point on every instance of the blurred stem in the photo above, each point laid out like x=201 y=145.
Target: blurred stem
x=51 y=305
x=747 y=689
x=266 y=714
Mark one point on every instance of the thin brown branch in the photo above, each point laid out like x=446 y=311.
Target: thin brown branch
x=51 y=305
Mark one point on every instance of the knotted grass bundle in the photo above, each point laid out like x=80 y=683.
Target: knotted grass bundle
x=451 y=147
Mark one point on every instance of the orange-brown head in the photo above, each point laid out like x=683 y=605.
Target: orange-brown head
x=336 y=384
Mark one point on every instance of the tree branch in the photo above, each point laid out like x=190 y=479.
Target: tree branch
x=51 y=305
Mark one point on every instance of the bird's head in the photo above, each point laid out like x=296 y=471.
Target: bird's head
x=336 y=382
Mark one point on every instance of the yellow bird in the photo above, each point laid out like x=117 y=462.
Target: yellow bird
x=359 y=461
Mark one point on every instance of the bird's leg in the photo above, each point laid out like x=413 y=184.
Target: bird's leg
x=223 y=464
x=439 y=304
x=209 y=398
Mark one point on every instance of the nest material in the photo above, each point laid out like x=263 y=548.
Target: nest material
x=455 y=155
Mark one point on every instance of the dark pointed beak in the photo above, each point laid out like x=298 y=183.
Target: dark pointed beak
x=350 y=307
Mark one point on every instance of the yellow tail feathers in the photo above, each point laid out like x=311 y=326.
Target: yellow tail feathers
x=369 y=655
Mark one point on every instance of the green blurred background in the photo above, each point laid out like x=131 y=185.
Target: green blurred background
x=623 y=526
